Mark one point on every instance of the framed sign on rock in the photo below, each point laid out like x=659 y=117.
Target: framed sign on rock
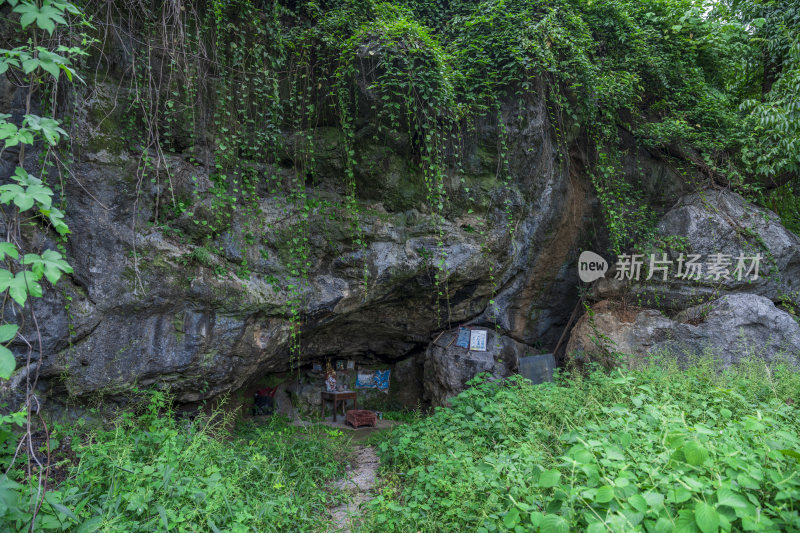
x=477 y=340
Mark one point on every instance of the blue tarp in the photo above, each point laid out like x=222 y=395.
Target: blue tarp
x=373 y=379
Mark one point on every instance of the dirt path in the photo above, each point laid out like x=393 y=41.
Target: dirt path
x=356 y=485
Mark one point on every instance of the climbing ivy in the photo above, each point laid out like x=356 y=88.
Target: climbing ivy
x=29 y=202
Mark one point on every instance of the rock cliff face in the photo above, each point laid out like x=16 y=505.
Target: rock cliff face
x=149 y=305
x=157 y=298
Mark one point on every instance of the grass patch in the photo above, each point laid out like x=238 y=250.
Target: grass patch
x=654 y=449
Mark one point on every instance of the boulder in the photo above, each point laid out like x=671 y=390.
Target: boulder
x=729 y=329
x=716 y=222
x=449 y=367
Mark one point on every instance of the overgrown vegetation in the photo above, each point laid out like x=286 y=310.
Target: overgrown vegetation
x=655 y=449
x=242 y=89
x=151 y=470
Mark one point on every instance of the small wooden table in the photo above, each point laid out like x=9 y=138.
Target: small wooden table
x=337 y=397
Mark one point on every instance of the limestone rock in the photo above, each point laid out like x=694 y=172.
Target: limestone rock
x=449 y=367
x=717 y=222
x=729 y=329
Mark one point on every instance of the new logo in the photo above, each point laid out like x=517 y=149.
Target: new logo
x=591 y=267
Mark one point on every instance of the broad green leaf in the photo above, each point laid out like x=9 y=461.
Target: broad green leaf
x=8 y=332
x=695 y=453
x=726 y=496
x=49 y=128
x=8 y=249
x=685 y=522
x=511 y=518
x=675 y=440
x=30 y=64
x=654 y=499
x=604 y=494
x=20 y=286
x=45 y=16
x=549 y=478
x=679 y=495
x=53 y=500
x=747 y=482
x=7 y=363
x=596 y=527
x=553 y=523
x=22 y=177
x=791 y=453
x=638 y=502
x=663 y=525
x=706 y=517
x=57 y=219
x=41 y=194
x=16 y=194
x=49 y=66
x=91 y=525
x=50 y=265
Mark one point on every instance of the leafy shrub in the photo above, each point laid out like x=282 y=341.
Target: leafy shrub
x=654 y=449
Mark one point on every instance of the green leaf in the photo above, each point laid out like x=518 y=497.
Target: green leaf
x=654 y=499
x=726 y=496
x=7 y=362
x=41 y=194
x=685 y=522
x=50 y=67
x=791 y=453
x=695 y=453
x=706 y=517
x=596 y=527
x=22 y=177
x=49 y=128
x=57 y=219
x=549 y=478
x=604 y=494
x=45 y=16
x=91 y=525
x=50 y=264
x=680 y=495
x=511 y=518
x=20 y=286
x=8 y=249
x=675 y=440
x=553 y=523
x=638 y=502
x=163 y=514
x=52 y=499
x=16 y=194
x=8 y=332
x=663 y=525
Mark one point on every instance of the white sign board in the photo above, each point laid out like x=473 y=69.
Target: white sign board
x=477 y=340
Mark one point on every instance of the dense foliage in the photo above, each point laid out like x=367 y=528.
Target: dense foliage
x=152 y=471
x=710 y=87
x=657 y=449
